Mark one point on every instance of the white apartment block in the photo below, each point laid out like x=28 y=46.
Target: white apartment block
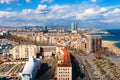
x=24 y=51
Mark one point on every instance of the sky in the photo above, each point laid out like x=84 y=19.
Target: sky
x=87 y=13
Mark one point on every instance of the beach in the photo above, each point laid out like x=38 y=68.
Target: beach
x=111 y=46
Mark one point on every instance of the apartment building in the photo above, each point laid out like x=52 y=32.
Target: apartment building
x=24 y=51
x=64 y=67
x=94 y=43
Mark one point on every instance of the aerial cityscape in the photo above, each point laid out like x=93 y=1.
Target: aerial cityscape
x=59 y=40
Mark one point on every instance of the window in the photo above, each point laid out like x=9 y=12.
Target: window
x=26 y=50
x=17 y=50
x=27 y=54
x=25 y=75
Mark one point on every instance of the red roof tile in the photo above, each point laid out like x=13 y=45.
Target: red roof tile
x=67 y=60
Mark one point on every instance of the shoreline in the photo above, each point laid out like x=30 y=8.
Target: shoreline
x=111 y=46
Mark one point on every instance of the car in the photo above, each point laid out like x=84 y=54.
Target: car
x=83 y=66
x=0 y=47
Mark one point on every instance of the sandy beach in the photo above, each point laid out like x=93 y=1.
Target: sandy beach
x=111 y=46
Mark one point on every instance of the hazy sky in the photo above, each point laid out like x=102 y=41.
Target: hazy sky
x=87 y=13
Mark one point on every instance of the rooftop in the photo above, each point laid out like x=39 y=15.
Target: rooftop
x=67 y=60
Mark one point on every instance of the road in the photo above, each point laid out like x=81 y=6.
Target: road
x=83 y=72
x=75 y=68
x=113 y=56
x=47 y=70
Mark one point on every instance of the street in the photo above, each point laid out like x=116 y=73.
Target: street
x=47 y=70
x=82 y=69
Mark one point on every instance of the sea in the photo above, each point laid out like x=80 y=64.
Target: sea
x=114 y=35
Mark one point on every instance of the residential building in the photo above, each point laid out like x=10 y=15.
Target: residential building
x=94 y=43
x=24 y=51
x=64 y=67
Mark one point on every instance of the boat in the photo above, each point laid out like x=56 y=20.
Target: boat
x=103 y=32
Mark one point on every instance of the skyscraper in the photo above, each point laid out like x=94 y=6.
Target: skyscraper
x=44 y=29
x=74 y=27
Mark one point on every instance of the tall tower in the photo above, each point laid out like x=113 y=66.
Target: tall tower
x=74 y=27
x=44 y=29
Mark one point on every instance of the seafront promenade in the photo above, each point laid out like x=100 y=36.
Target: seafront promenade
x=111 y=46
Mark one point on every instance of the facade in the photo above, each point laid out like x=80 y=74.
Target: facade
x=91 y=43
x=24 y=51
x=64 y=67
x=31 y=68
x=47 y=51
x=47 y=54
x=74 y=27
x=64 y=73
x=83 y=43
x=94 y=43
x=45 y=30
